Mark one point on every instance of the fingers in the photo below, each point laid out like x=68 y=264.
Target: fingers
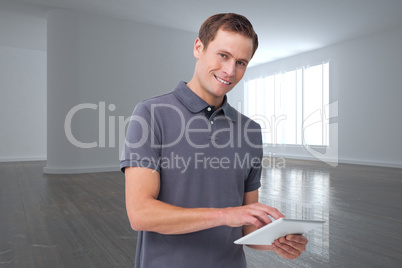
x=257 y=221
x=260 y=213
x=256 y=217
x=300 y=239
x=290 y=247
x=286 y=252
x=276 y=214
x=267 y=210
x=256 y=214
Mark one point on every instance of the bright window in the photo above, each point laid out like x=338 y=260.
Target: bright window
x=291 y=106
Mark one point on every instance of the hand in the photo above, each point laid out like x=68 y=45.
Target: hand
x=253 y=214
x=290 y=247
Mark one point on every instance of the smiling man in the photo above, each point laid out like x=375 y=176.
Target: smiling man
x=193 y=163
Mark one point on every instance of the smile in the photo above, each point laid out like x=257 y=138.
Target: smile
x=222 y=81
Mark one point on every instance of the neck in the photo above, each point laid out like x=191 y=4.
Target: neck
x=208 y=98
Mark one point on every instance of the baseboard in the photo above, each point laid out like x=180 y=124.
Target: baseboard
x=49 y=170
x=23 y=159
x=342 y=161
x=370 y=163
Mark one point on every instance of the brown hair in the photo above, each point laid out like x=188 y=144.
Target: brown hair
x=229 y=22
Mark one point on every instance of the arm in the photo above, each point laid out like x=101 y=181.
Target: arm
x=289 y=247
x=146 y=213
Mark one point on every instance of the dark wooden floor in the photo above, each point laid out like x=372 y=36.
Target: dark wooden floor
x=63 y=220
x=80 y=220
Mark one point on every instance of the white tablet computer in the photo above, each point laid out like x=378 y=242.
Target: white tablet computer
x=267 y=234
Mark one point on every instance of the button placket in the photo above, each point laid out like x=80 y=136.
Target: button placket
x=209 y=111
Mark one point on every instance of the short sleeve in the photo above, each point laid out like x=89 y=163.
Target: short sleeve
x=253 y=181
x=142 y=143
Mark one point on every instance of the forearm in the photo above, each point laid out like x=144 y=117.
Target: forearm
x=160 y=217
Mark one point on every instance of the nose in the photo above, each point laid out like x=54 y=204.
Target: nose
x=229 y=68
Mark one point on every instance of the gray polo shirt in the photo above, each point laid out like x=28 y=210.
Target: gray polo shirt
x=206 y=158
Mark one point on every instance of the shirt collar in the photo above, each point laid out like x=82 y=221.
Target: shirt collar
x=195 y=104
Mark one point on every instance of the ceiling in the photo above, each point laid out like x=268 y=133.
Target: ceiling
x=285 y=27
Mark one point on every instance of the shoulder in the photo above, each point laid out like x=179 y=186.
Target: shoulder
x=165 y=98
x=146 y=105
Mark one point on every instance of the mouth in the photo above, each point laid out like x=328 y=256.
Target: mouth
x=222 y=81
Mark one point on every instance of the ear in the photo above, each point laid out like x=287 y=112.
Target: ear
x=198 y=48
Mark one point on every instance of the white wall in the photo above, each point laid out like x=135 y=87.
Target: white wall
x=365 y=79
x=128 y=57
x=96 y=60
x=23 y=104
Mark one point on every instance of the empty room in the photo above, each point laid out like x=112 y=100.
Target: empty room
x=120 y=120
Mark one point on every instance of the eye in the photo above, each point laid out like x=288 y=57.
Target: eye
x=241 y=63
x=223 y=55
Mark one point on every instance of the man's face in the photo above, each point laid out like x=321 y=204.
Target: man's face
x=222 y=64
